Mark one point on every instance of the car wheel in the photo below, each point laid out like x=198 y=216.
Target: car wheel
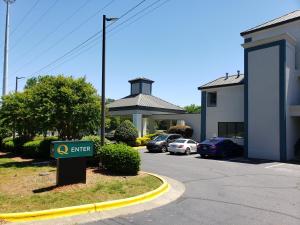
x=188 y=151
x=164 y=149
x=202 y=156
x=171 y=153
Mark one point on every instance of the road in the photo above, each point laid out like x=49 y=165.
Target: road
x=227 y=192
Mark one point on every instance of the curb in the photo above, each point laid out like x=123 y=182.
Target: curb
x=87 y=208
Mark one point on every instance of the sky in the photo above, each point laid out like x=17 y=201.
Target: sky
x=180 y=44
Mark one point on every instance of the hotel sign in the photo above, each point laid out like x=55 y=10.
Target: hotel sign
x=72 y=149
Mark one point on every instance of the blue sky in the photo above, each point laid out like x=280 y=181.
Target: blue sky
x=180 y=45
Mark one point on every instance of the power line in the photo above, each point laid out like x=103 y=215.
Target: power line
x=93 y=45
x=87 y=40
x=143 y=15
x=64 y=37
x=42 y=40
x=25 y=17
x=35 y=24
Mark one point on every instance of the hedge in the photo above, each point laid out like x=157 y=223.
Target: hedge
x=142 y=141
x=120 y=159
x=8 y=145
x=97 y=143
x=38 y=148
x=126 y=133
x=185 y=131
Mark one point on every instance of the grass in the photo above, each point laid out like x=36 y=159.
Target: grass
x=28 y=187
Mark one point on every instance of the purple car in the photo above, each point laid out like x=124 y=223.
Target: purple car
x=219 y=146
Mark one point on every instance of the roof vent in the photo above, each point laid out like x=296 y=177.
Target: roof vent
x=238 y=74
x=226 y=77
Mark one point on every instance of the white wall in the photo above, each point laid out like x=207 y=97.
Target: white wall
x=230 y=108
x=263 y=104
x=290 y=28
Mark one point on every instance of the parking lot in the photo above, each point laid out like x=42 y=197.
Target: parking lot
x=231 y=191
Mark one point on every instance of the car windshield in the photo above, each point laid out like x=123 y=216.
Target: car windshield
x=212 y=141
x=180 y=141
x=161 y=138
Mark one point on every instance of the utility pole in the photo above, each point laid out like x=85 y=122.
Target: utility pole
x=104 y=19
x=6 y=40
x=17 y=79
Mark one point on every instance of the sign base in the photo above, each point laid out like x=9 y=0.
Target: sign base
x=70 y=171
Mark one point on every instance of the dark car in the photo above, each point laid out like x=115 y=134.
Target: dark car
x=161 y=142
x=221 y=147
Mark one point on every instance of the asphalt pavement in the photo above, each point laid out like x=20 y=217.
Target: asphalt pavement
x=227 y=192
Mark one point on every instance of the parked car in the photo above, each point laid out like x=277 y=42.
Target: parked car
x=182 y=145
x=219 y=147
x=161 y=142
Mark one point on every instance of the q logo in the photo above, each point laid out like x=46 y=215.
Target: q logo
x=62 y=150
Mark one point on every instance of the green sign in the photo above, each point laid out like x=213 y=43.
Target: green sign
x=72 y=149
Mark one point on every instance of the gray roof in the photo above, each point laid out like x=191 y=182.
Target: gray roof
x=141 y=79
x=223 y=82
x=290 y=17
x=145 y=102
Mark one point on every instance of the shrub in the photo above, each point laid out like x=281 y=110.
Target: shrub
x=120 y=159
x=126 y=133
x=9 y=146
x=142 y=141
x=185 y=131
x=38 y=148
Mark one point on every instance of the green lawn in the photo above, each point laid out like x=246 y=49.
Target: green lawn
x=28 y=187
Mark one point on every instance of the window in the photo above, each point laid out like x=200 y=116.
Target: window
x=212 y=99
x=231 y=129
x=191 y=142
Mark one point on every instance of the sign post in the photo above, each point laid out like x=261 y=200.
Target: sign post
x=71 y=160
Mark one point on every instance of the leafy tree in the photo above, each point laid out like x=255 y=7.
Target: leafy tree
x=64 y=104
x=193 y=108
x=126 y=133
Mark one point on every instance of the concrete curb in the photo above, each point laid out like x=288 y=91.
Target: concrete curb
x=88 y=208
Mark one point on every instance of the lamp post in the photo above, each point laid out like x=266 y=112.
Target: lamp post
x=104 y=20
x=5 y=61
x=17 y=79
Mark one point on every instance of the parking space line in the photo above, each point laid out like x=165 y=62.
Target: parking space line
x=275 y=165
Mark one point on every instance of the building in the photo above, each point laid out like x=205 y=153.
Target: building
x=223 y=108
x=144 y=109
x=266 y=99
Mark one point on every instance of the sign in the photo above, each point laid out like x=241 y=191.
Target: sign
x=72 y=149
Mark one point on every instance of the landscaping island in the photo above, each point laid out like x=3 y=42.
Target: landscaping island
x=28 y=185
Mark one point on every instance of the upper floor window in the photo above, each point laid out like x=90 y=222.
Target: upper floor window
x=212 y=99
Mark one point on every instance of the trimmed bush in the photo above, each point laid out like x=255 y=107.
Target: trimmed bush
x=120 y=159
x=38 y=148
x=126 y=133
x=185 y=131
x=142 y=141
x=8 y=146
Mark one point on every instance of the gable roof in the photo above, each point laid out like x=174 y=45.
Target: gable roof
x=232 y=80
x=290 y=17
x=144 y=102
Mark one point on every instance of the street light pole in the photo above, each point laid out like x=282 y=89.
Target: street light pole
x=17 y=79
x=103 y=81
x=6 y=40
x=104 y=19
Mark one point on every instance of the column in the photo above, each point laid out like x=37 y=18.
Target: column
x=180 y=122
x=145 y=126
x=137 y=121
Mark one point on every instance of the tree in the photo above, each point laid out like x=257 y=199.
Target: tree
x=193 y=108
x=63 y=104
x=126 y=133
